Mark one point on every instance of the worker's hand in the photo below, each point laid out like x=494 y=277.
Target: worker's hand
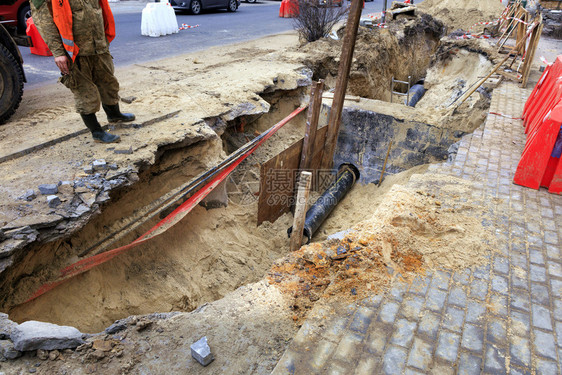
x=63 y=62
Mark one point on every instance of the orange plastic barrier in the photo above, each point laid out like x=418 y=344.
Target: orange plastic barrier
x=288 y=9
x=39 y=46
x=540 y=162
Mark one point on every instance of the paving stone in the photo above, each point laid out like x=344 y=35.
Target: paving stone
x=538 y=273
x=398 y=290
x=556 y=287
x=469 y=364
x=558 y=330
x=337 y=369
x=545 y=367
x=479 y=289
x=376 y=340
x=554 y=269
x=420 y=285
x=520 y=300
x=550 y=238
x=412 y=306
x=462 y=277
x=497 y=305
x=403 y=333
x=361 y=320
x=388 y=312
x=475 y=311
x=420 y=355
x=457 y=296
x=499 y=284
x=520 y=352
x=497 y=333
x=201 y=351
x=454 y=319
x=429 y=323
x=440 y=369
x=518 y=259
x=501 y=265
x=494 y=362
x=367 y=365
x=535 y=256
x=447 y=346
x=519 y=282
x=412 y=372
x=435 y=299
x=541 y=317
x=539 y=294
x=520 y=322
x=372 y=301
x=334 y=331
x=322 y=354
x=394 y=360
x=544 y=344
x=482 y=272
x=441 y=280
x=557 y=312
x=349 y=345
x=48 y=189
x=553 y=252
x=472 y=337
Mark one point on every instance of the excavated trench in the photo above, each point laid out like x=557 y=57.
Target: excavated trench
x=214 y=251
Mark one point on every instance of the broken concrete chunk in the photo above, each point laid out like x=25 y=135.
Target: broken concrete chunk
x=88 y=169
x=29 y=195
x=48 y=189
x=8 y=351
x=6 y=326
x=129 y=99
x=122 y=150
x=53 y=201
x=201 y=352
x=99 y=165
x=33 y=335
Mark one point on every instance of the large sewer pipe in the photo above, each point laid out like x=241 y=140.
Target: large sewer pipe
x=321 y=209
x=416 y=93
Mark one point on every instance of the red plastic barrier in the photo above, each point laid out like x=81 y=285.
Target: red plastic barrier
x=288 y=9
x=39 y=46
x=537 y=167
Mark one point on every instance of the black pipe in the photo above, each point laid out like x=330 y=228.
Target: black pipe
x=320 y=210
x=416 y=93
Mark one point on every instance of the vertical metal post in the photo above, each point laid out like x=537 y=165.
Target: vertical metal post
x=391 y=88
x=384 y=12
x=408 y=92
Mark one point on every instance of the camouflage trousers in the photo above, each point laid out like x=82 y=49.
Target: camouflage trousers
x=92 y=81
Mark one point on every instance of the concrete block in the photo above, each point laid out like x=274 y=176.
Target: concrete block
x=53 y=201
x=48 y=189
x=8 y=351
x=33 y=335
x=89 y=169
x=99 y=165
x=202 y=352
x=6 y=326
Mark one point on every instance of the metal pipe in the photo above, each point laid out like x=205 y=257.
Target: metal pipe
x=316 y=215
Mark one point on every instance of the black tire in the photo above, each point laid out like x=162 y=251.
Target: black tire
x=23 y=14
x=11 y=84
x=195 y=7
x=251 y=1
x=232 y=5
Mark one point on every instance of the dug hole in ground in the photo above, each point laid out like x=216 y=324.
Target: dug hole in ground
x=216 y=273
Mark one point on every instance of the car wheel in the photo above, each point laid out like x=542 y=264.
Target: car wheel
x=232 y=5
x=251 y=1
x=11 y=84
x=195 y=6
x=23 y=14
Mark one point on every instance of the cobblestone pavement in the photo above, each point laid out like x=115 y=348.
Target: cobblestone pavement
x=503 y=317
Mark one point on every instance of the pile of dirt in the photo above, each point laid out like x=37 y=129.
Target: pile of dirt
x=410 y=232
x=463 y=14
x=403 y=49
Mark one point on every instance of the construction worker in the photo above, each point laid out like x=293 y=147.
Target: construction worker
x=78 y=33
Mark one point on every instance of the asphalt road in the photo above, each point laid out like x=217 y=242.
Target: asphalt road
x=217 y=27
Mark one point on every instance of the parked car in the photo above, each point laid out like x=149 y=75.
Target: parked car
x=16 y=13
x=12 y=76
x=196 y=6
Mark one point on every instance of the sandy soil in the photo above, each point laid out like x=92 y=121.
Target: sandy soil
x=463 y=14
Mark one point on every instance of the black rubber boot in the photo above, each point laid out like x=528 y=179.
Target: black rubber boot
x=114 y=114
x=97 y=132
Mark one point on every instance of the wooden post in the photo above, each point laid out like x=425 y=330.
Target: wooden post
x=384 y=165
x=311 y=124
x=522 y=31
x=533 y=43
x=341 y=82
x=300 y=210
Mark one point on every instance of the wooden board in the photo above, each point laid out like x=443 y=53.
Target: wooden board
x=278 y=175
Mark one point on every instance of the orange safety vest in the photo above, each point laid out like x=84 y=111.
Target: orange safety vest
x=62 y=15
